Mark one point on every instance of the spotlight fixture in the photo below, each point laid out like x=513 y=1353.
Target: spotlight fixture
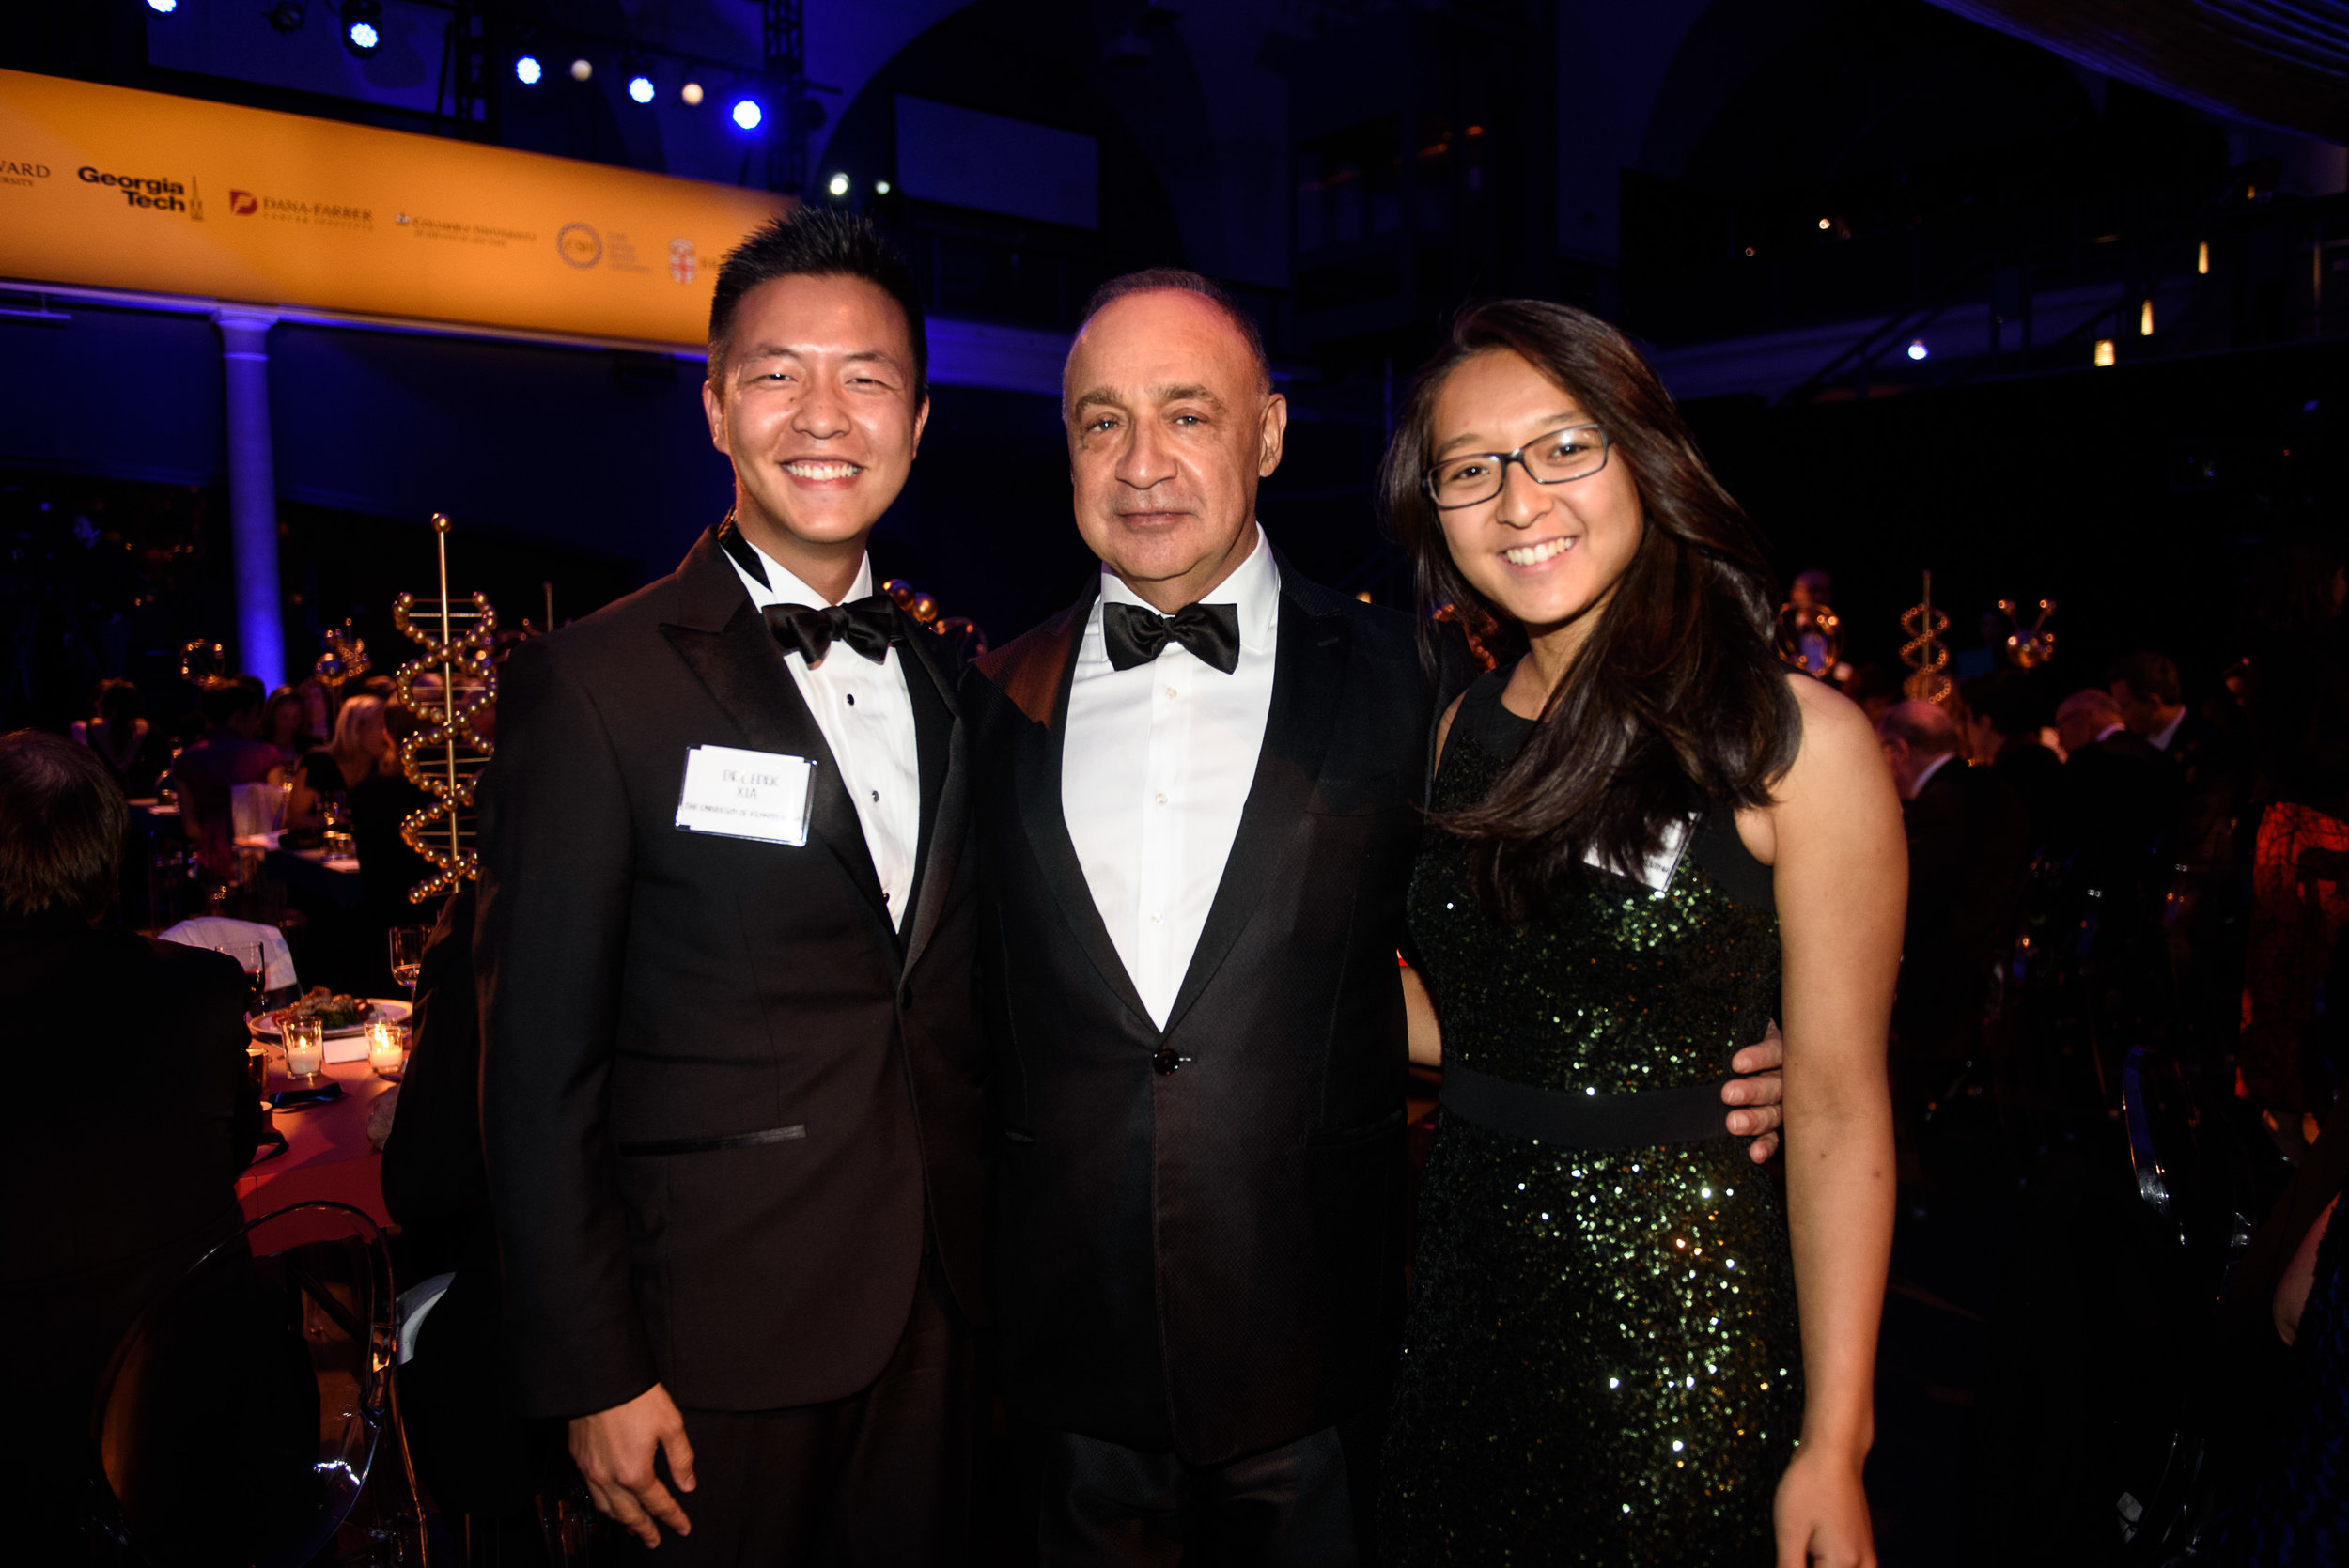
x=2201 y=258
x=363 y=26
x=2103 y=352
x=639 y=88
x=747 y=114
x=287 y=16
x=163 y=8
x=881 y=187
x=1826 y=224
x=691 y=95
x=837 y=185
x=2146 y=319
x=1917 y=348
x=527 y=70
x=582 y=68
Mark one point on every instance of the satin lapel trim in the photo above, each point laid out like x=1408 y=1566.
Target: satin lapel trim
x=945 y=782
x=1309 y=669
x=1037 y=760
x=744 y=671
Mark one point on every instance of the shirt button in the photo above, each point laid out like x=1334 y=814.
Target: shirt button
x=1160 y=798
x=1154 y=919
x=877 y=797
x=1171 y=692
x=853 y=699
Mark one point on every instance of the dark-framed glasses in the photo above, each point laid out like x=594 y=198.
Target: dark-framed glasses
x=1468 y=478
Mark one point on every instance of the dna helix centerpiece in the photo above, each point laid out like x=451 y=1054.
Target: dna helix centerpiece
x=1924 y=653
x=961 y=630
x=344 y=659
x=446 y=753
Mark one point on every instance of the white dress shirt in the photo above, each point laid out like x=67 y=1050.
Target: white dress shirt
x=867 y=720
x=1154 y=770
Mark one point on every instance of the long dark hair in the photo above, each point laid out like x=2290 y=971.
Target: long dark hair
x=1675 y=702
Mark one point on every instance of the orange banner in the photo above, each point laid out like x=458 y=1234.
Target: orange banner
x=112 y=188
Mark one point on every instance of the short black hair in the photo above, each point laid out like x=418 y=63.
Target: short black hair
x=2149 y=675
x=62 y=819
x=1151 y=279
x=2015 y=708
x=823 y=242
x=221 y=698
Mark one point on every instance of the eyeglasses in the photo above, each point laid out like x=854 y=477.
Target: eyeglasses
x=1576 y=452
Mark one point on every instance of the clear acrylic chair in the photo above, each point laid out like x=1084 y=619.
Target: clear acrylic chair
x=251 y=1413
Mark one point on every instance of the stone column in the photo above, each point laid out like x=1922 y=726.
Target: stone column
x=253 y=494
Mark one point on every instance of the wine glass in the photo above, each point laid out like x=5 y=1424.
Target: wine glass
x=408 y=957
x=253 y=957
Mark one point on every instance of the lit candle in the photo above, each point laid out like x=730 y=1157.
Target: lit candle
x=305 y=1047
x=387 y=1048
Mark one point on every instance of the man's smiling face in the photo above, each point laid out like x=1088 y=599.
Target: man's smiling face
x=815 y=401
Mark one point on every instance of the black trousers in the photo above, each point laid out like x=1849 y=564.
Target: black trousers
x=1301 y=1505
x=881 y=1478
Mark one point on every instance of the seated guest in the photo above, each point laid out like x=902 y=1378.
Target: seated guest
x=105 y=1203
x=362 y=748
x=2003 y=724
x=123 y=739
x=285 y=729
x=1968 y=845
x=203 y=775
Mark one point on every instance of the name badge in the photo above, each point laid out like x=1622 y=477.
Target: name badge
x=737 y=794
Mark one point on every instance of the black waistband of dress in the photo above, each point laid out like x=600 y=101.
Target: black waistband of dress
x=1690 y=1114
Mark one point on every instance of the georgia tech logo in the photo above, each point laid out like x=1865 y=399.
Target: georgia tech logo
x=243 y=203
x=164 y=195
x=581 y=246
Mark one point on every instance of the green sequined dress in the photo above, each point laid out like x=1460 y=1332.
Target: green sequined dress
x=1600 y=1364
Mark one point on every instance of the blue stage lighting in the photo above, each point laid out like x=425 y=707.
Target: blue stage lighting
x=747 y=114
x=639 y=88
x=527 y=69
x=163 y=8
x=1917 y=348
x=363 y=26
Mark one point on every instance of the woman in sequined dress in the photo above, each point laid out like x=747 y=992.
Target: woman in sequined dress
x=1650 y=838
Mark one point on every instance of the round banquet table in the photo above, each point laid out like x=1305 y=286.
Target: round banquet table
x=327 y=1155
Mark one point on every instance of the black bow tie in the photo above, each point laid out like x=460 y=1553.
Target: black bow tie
x=866 y=625
x=1136 y=635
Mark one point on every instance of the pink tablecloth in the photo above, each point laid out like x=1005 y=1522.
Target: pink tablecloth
x=326 y=1154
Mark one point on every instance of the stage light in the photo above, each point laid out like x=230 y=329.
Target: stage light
x=881 y=187
x=287 y=16
x=2145 y=320
x=163 y=8
x=1827 y=223
x=1917 y=348
x=639 y=88
x=363 y=26
x=837 y=185
x=747 y=114
x=582 y=70
x=527 y=69
x=692 y=94
x=2103 y=352
x=2201 y=258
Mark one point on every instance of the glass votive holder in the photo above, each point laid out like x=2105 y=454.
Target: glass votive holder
x=387 y=1050
x=305 y=1049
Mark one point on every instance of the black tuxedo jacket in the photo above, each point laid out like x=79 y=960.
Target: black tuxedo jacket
x=1206 y=1261
x=719 y=1091
x=1968 y=846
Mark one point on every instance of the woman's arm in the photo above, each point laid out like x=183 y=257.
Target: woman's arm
x=301 y=806
x=1419 y=1012
x=1841 y=874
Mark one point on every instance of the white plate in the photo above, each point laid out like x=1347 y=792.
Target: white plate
x=379 y=1010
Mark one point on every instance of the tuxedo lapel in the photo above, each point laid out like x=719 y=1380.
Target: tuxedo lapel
x=726 y=643
x=939 y=737
x=1040 y=686
x=1309 y=670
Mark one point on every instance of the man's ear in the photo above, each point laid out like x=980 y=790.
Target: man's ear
x=714 y=410
x=921 y=419
x=1270 y=434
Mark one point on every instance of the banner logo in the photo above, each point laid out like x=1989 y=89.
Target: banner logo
x=243 y=203
x=682 y=262
x=581 y=246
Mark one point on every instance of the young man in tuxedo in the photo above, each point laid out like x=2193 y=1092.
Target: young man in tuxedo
x=1197 y=794
x=731 y=1085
